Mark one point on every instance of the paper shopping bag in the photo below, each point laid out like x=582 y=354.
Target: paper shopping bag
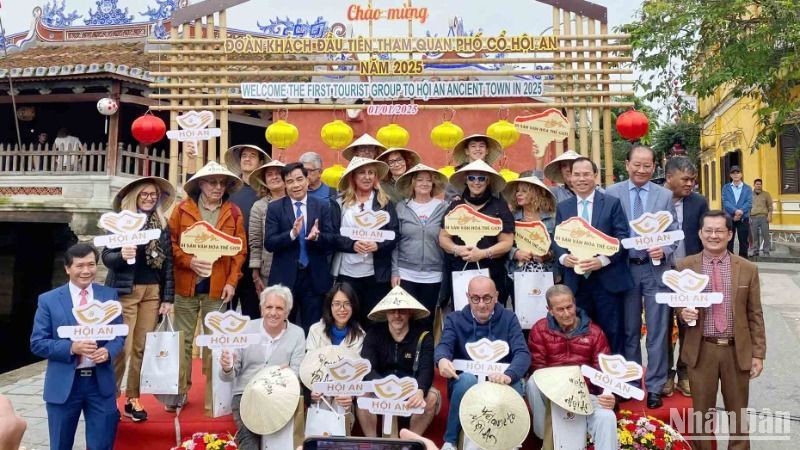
x=461 y=282
x=321 y=421
x=221 y=390
x=161 y=361
x=530 y=304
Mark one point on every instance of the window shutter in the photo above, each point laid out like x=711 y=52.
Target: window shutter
x=790 y=160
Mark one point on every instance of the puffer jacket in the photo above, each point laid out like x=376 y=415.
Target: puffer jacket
x=551 y=347
x=120 y=273
x=226 y=269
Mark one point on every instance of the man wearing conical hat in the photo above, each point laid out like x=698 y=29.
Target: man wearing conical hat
x=200 y=286
x=365 y=146
x=559 y=171
x=567 y=337
x=404 y=347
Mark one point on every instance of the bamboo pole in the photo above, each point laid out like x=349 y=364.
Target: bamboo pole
x=227 y=95
x=430 y=73
x=609 y=47
x=312 y=106
x=277 y=62
x=174 y=144
x=211 y=85
x=569 y=76
x=583 y=121
x=608 y=145
x=595 y=113
x=212 y=143
x=560 y=59
x=224 y=140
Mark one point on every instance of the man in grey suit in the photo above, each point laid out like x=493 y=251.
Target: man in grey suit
x=639 y=195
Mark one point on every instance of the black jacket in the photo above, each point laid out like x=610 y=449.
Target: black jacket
x=397 y=358
x=120 y=273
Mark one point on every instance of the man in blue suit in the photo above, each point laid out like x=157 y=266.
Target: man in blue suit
x=737 y=200
x=638 y=195
x=80 y=376
x=299 y=235
x=600 y=291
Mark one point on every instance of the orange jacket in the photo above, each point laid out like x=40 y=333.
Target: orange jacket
x=226 y=269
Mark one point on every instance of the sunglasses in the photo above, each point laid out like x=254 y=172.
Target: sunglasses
x=478 y=178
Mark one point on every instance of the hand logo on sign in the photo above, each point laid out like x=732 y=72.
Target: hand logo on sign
x=687 y=281
x=194 y=128
x=97 y=313
x=485 y=350
x=614 y=376
x=651 y=223
x=371 y=219
x=348 y=370
x=393 y=388
x=94 y=322
x=226 y=331
x=688 y=286
x=122 y=222
x=229 y=322
x=618 y=367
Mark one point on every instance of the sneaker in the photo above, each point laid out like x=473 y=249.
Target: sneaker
x=134 y=410
x=683 y=386
x=669 y=388
x=448 y=446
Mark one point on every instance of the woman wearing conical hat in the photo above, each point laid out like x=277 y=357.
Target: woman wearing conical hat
x=479 y=184
x=365 y=146
x=202 y=286
x=270 y=187
x=559 y=171
x=470 y=149
x=146 y=287
x=399 y=161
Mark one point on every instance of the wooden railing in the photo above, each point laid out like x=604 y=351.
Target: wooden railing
x=89 y=159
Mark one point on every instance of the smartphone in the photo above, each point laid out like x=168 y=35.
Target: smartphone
x=360 y=443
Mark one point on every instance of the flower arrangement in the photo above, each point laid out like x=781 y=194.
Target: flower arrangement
x=638 y=432
x=208 y=441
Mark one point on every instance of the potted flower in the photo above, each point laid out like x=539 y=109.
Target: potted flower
x=208 y=441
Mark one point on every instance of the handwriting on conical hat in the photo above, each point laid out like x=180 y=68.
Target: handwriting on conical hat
x=470 y=225
x=544 y=128
x=688 y=286
x=533 y=237
x=583 y=240
x=208 y=243
x=368 y=224
x=614 y=374
x=651 y=230
x=94 y=322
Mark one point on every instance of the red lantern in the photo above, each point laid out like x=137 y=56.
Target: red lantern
x=632 y=125
x=148 y=129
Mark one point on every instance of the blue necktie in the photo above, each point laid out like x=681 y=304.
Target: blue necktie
x=302 y=237
x=585 y=210
x=638 y=211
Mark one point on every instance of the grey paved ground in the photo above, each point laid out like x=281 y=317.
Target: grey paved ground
x=776 y=389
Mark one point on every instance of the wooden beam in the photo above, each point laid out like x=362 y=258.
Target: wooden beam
x=582 y=8
x=113 y=132
x=311 y=106
x=206 y=8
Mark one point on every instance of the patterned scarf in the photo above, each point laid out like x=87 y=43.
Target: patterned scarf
x=153 y=252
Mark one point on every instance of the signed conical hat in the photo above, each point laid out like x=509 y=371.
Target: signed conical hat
x=257 y=177
x=398 y=298
x=494 y=416
x=459 y=179
x=553 y=169
x=166 y=188
x=314 y=366
x=566 y=387
x=365 y=139
x=494 y=150
x=212 y=168
x=509 y=193
x=270 y=399
x=234 y=155
x=403 y=184
x=358 y=162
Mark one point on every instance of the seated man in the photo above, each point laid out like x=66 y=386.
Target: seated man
x=567 y=337
x=481 y=318
x=403 y=348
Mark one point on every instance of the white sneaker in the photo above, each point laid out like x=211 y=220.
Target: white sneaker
x=448 y=446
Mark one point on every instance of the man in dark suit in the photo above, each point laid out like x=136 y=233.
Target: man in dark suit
x=737 y=200
x=728 y=343
x=299 y=235
x=80 y=375
x=600 y=291
x=689 y=209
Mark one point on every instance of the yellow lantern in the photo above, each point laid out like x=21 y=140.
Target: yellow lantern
x=332 y=175
x=508 y=175
x=336 y=135
x=282 y=134
x=446 y=135
x=393 y=135
x=447 y=171
x=503 y=132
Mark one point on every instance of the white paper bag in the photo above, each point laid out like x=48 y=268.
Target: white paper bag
x=529 y=300
x=221 y=391
x=461 y=282
x=161 y=361
x=324 y=422
x=282 y=439
x=569 y=429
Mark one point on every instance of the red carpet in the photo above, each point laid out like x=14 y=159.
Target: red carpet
x=159 y=430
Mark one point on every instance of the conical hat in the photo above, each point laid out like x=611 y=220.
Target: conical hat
x=166 y=188
x=234 y=155
x=314 y=366
x=365 y=139
x=511 y=188
x=494 y=150
x=257 y=177
x=408 y=154
x=357 y=162
x=398 y=298
x=565 y=387
x=552 y=170
x=403 y=184
x=273 y=386
x=482 y=406
x=210 y=169
x=459 y=179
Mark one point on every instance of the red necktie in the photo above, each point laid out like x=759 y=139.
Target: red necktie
x=84 y=300
x=718 y=312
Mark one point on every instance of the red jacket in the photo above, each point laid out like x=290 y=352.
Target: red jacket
x=550 y=347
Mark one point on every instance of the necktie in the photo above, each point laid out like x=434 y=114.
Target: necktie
x=638 y=210
x=302 y=237
x=83 y=300
x=718 y=312
x=585 y=210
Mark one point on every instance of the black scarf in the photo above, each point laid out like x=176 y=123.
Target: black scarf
x=478 y=200
x=154 y=254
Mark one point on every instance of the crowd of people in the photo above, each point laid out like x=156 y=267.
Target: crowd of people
x=305 y=285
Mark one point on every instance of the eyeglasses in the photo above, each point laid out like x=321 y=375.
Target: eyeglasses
x=713 y=232
x=486 y=299
x=476 y=178
x=395 y=162
x=342 y=305
x=146 y=195
x=312 y=170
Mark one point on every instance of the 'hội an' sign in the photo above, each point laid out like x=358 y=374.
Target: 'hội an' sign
x=126 y=230
x=651 y=229
x=368 y=224
x=523 y=43
x=94 y=322
x=614 y=374
x=393 y=90
x=226 y=331
x=688 y=286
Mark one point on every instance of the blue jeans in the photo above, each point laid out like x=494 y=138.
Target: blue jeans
x=457 y=389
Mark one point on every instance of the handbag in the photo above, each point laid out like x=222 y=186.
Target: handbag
x=530 y=304
x=221 y=390
x=324 y=421
x=461 y=281
x=161 y=360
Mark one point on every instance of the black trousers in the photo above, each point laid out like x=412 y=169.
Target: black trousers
x=742 y=229
x=246 y=295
